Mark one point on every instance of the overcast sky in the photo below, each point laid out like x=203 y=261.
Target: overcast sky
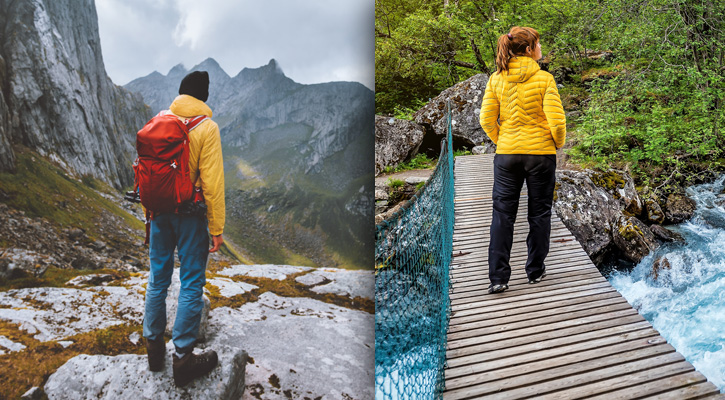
x=312 y=40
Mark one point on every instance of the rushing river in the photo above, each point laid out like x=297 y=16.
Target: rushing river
x=686 y=303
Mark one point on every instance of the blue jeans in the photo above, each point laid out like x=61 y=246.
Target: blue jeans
x=510 y=172
x=189 y=234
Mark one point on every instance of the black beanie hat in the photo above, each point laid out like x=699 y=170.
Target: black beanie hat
x=196 y=84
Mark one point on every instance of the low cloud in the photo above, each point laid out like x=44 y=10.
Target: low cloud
x=313 y=41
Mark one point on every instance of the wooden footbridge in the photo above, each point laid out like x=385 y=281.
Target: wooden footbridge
x=570 y=336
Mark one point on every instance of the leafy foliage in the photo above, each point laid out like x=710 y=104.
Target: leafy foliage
x=653 y=104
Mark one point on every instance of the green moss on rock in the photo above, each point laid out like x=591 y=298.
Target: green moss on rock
x=611 y=181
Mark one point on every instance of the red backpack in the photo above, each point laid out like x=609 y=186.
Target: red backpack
x=162 y=167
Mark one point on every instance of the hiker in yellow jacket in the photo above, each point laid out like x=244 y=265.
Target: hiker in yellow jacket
x=189 y=233
x=522 y=114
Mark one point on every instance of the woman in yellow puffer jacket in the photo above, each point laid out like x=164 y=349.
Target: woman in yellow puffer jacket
x=522 y=114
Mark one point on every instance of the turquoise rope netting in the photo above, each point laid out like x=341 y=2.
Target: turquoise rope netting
x=412 y=257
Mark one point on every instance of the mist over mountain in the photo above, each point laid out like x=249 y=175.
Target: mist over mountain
x=56 y=97
x=298 y=161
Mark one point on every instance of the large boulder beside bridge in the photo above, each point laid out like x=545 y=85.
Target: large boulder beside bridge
x=465 y=99
x=396 y=141
x=600 y=209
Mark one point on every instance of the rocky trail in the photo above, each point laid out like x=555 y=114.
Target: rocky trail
x=280 y=332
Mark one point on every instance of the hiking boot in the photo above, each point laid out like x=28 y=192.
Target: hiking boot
x=497 y=288
x=192 y=366
x=537 y=280
x=156 y=349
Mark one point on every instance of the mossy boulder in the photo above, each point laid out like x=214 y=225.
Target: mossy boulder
x=633 y=238
x=679 y=208
x=653 y=211
x=396 y=141
x=621 y=186
x=591 y=204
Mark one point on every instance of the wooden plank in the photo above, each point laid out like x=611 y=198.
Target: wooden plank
x=565 y=332
x=473 y=366
x=513 y=348
x=535 y=311
x=512 y=325
x=485 y=383
x=626 y=378
x=506 y=297
x=542 y=289
x=538 y=330
x=613 y=377
x=525 y=307
x=691 y=385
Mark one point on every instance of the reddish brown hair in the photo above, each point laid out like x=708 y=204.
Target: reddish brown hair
x=513 y=44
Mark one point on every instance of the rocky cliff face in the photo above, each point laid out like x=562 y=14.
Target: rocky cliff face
x=299 y=159
x=56 y=96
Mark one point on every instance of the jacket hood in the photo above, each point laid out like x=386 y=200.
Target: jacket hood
x=188 y=106
x=521 y=69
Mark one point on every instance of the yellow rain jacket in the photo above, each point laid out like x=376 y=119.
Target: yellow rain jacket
x=527 y=103
x=205 y=158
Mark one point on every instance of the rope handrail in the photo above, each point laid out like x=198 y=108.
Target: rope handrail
x=412 y=259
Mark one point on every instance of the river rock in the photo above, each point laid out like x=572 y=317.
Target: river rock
x=172 y=306
x=127 y=376
x=621 y=186
x=665 y=234
x=592 y=204
x=659 y=265
x=465 y=99
x=396 y=141
x=633 y=238
x=587 y=210
x=653 y=211
x=679 y=208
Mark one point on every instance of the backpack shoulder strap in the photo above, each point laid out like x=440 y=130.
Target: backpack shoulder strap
x=196 y=121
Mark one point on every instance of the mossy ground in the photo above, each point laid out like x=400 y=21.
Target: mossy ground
x=42 y=189
x=287 y=287
x=57 y=277
x=33 y=365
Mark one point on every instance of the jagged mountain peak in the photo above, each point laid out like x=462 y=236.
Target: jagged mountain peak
x=211 y=66
x=177 y=70
x=271 y=69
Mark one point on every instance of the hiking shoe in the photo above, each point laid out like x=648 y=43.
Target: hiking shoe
x=156 y=349
x=537 y=280
x=193 y=366
x=497 y=288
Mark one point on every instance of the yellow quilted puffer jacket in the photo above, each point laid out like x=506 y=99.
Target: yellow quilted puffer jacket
x=527 y=103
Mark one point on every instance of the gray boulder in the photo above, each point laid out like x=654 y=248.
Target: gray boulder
x=592 y=204
x=679 y=208
x=665 y=234
x=127 y=377
x=654 y=212
x=396 y=141
x=633 y=238
x=465 y=99
x=172 y=306
x=621 y=187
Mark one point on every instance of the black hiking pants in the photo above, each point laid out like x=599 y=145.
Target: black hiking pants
x=510 y=172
